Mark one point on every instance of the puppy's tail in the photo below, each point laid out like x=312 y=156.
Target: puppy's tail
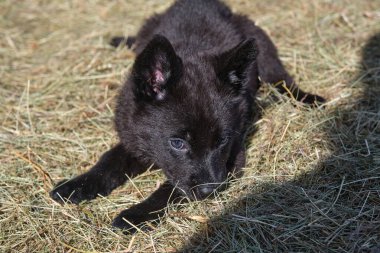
x=120 y=40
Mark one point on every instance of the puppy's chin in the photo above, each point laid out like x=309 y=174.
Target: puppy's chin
x=198 y=192
x=191 y=195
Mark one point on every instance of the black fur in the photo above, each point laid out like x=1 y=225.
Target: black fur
x=185 y=107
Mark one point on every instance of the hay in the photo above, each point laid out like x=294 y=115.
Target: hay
x=312 y=178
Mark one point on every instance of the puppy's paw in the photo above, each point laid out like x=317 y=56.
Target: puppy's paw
x=74 y=191
x=130 y=221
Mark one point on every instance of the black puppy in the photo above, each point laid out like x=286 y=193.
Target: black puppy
x=185 y=107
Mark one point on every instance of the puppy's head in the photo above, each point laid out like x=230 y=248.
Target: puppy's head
x=188 y=115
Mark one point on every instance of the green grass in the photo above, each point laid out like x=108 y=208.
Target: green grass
x=312 y=179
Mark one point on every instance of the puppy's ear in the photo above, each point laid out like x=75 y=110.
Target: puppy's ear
x=156 y=69
x=233 y=66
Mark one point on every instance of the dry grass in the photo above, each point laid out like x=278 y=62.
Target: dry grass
x=312 y=180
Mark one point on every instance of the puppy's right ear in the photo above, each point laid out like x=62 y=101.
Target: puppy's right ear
x=156 y=70
x=233 y=66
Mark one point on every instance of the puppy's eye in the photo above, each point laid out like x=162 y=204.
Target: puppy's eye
x=177 y=144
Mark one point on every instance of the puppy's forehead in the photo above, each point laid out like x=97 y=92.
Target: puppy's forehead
x=198 y=69
x=201 y=124
x=199 y=103
x=203 y=132
x=199 y=84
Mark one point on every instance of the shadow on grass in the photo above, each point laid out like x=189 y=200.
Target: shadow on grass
x=334 y=208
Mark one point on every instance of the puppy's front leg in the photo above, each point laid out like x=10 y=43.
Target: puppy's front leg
x=108 y=173
x=149 y=210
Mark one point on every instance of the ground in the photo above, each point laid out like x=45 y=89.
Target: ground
x=312 y=178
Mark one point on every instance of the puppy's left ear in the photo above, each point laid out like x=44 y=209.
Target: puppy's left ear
x=156 y=70
x=234 y=66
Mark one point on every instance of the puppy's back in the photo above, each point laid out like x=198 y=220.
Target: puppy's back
x=200 y=27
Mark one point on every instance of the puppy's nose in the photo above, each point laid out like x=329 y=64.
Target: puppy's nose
x=203 y=191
